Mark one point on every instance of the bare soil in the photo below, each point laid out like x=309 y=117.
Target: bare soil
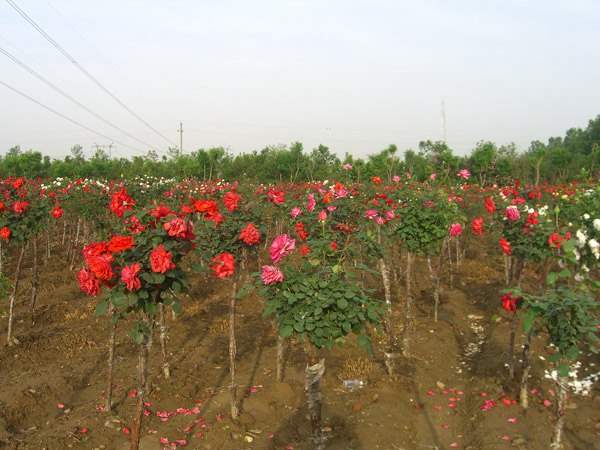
x=435 y=402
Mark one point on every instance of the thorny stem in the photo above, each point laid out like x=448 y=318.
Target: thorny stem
x=34 y=279
x=232 y=351
x=111 y=357
x=13 y=295
x=162 y=326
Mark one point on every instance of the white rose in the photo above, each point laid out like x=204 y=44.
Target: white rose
x=586 y=216
x=596 y=223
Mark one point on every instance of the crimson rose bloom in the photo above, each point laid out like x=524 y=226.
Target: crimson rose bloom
x=20 y=207
x=161 y=260
x=121 y=202
x=88 y=283
x=489 y=204
x=130 y=278
x=510 y=303
x=250 y=235
x=94 y=249
x=271 y=275
x=57 y=212
x=506 y=248
x=477 y=226
x=120 y=243
x=5 y=233
x=555 y=240
x=176 y=228
x=301 y=231
x=101 y=266
x=18 y=183
x=223 y=265
x=231 y=200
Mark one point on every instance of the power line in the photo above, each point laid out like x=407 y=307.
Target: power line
x=69 y=97
x=73 y=121
x=83 y=70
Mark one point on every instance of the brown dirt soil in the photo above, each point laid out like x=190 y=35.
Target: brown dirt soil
x=434 y=402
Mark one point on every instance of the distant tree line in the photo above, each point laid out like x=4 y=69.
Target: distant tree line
x=574 y=156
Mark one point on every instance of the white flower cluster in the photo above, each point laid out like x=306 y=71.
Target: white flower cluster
x=581 y=386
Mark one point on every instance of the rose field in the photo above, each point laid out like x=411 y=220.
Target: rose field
x=390 y=313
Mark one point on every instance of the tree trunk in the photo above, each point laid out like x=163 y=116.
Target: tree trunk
x=408 y=313
x=47 y=256
x=560 y=414
x=34 y=279
x=523 y=396
x=232 y=351
x=162 y=326
x=111 y=357
x=435 y=282
x=391 y=351
x=315 y=368
x=515 y=278
x=75 y=244
x=142 y=384
x=13 y=296
x=280 y=357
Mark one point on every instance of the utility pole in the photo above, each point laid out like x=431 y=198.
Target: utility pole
x=444 y=137
x=180 y=131
x=110 y=146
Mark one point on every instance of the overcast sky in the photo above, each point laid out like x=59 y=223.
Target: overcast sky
x=353 y=75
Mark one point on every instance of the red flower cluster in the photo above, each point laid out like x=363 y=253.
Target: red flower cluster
x=129 y=276
x=119 y=244
x=19 y=207
x=209 y=209
x=179 y=228
x=489 y=205
x=276 y=196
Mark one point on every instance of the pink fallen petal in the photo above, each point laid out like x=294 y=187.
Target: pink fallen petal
x=534 y=391
x=547 y=403
x=512 y=420
x=164 y=440
x=147 y=412
x=487 y=405
x=505 y=438
x=430 y=393
x=445 y=426
x=125 y=430
x=460 y=392
x=181 y=442
x=132 y=393
x=507 y=401
x=60 y=406
x=84 y=430
x=483 y=394
x=147 y=404
x=551 y=392
x=195 y=410
x=454 y=445
x=452 y=405
x=437 y=407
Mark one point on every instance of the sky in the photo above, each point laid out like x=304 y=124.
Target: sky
x=350 y=74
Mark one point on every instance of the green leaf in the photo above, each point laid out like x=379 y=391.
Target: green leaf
x=563 y=370
x=551 y=278
x=342 y=303
x=528 y=320
x=286 y=331
x=365 y=342
x=101 y=308
x=176 y=305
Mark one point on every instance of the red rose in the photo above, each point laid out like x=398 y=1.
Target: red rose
x=206 y=206
x=135 y=225
x=57 y=212
x=489 y=204
x=510 y=303
x=160 y=211
x=161 y=260
x=250 y=235
x=20 y=207
x=18 y=183
x=5 y=233
x=376 y=180
x=223 y=265
x=121 y=202
x=304 y=250
x=101 y=266
x=120 y=244
x=177 y=227
x=333 y=246
x=276 y=196
x=555 y=240
x=301 y=231
x=477 y=226
x=2 y=206
x=506 y=248
x=88 y=283
x=130 y=278
x=94 y=249
x=231 y=200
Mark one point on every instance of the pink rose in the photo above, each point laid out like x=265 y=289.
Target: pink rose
x=271 y=275
x=282 y=246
